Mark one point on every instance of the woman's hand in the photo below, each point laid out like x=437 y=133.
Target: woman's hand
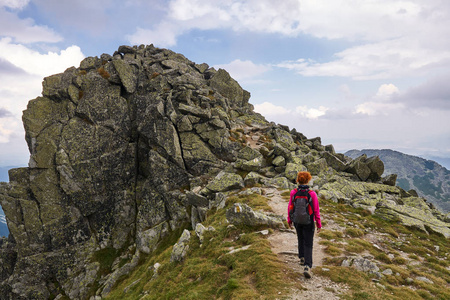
x=318 y=230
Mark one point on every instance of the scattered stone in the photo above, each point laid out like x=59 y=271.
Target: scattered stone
x=361 y=264
x=180 y=249
x=424 y=279
x=387 y=272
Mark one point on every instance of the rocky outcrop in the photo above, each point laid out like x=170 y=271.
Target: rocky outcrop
x=112 y=143
x=128 y=149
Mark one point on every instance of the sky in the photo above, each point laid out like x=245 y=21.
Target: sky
x=370 y=74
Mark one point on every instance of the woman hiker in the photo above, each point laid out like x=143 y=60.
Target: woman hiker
x=303 y=210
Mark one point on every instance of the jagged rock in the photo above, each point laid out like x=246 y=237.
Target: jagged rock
x=361 y=263
x=284 y=138
x=279 y=161
x=366 y=168
x=249 y=159
x=317 y=167
x=218 y=202
x=330 y=149
x=279 y=150
x=197 y=200
x=253 y=178
x=111 y=144
x=359 y=168
x=180 y=249
x=200 y=231
x=334 y=162
x=242 y=214
x=125 y=269
x=292 y=171
x=250 y=191
x=413 y=193
x=147 y=240
x=279 y=182
x=229 y=88
x=376 y=167
x=389 y=179
x=413 y=217
x=225 y=181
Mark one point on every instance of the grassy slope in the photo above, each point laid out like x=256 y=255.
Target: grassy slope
x=209 y=272
x=409 y=253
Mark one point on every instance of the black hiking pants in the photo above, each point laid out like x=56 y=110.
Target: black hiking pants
x=305 y=236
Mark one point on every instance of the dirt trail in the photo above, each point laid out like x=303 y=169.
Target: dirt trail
x=284 y=244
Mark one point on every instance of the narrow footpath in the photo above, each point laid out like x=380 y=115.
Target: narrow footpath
x=284 y=244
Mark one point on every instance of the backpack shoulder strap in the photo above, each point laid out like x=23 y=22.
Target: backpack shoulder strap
x=310 y=201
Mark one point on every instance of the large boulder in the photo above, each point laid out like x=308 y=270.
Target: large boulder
x=225 y=181
x=242 y=214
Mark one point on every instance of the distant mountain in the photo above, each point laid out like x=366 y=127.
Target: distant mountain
x=4 y=174
x=427 y=177
x=3 y=227
x=445 y=162
x=3 y=178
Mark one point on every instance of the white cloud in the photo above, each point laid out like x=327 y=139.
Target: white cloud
x=360 y=20
x=246 y=69
x=22 y=81
x=24 y=30
x=381 y=103
x=373 y=108
x=311 y=113
x=383 y=60
x=387 y=90
x=265 y=16
x=14 y=4
x=165 y=35
x=36 y=63
x=269 y=109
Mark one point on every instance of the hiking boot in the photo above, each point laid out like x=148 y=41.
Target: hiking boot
x=302 y=261
x=307 y=272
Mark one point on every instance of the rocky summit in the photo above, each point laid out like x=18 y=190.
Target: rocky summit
x=130 y=148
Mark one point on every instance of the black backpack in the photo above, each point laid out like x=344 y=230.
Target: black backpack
x=302 y=209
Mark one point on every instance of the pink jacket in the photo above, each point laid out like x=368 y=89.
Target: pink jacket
x=315 y=204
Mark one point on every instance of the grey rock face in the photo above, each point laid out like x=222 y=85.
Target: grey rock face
x=111 y=145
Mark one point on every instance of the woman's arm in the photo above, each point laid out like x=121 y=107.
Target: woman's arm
x=315 y=202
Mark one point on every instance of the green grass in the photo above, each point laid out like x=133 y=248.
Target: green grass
x=394 y=237
x=354 y=232
x=330 y=234
x=208 y=271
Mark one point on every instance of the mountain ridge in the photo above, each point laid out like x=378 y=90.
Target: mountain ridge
x=133 y=151
x=427 y=177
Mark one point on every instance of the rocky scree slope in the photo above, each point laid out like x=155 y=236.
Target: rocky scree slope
x=128 y=148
